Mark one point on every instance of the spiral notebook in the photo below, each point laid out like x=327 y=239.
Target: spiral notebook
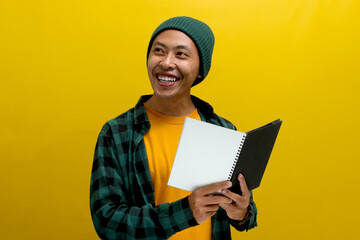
x=209 y=153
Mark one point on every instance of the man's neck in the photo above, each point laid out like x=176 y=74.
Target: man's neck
x=178 y=107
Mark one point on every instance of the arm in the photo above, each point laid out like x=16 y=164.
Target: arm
x=115 y=216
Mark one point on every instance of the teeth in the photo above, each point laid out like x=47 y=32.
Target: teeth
x=166 y=79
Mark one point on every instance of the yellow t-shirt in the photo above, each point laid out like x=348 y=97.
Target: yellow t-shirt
x=161 y=143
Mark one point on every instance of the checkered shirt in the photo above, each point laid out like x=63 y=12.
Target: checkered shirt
x=121 y=193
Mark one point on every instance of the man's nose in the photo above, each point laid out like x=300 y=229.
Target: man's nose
x=168 y=61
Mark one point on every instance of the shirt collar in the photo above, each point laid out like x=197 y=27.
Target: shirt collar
x=141 y=118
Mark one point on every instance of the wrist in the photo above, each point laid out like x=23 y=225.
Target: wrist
x=247 y=216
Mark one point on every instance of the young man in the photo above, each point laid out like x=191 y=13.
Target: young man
x=129 y=196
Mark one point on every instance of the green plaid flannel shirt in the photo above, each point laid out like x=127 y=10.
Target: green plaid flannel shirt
x=121 y=193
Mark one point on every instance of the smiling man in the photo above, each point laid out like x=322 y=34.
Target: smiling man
x=129 y=195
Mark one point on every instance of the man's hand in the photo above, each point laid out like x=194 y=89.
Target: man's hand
x=204 y=205
x=237 y=209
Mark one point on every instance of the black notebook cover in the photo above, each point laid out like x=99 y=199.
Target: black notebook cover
x=254 y=155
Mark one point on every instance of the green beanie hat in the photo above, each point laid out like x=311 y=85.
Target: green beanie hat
x=199 y=32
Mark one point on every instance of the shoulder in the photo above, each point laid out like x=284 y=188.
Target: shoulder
x=130 y=120
x=117 y=135
x=224 y=122
x=119 y=125
x=207 y=114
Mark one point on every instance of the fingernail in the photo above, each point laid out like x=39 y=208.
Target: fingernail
x=229 y=184
x=223 y=191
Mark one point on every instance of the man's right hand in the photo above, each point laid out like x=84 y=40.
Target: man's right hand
x=204 y=203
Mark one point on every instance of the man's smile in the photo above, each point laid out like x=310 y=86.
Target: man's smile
x=167 y=78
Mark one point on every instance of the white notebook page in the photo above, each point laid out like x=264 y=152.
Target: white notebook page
x=205 y=155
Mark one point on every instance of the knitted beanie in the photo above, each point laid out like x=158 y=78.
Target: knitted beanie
x=199 y=32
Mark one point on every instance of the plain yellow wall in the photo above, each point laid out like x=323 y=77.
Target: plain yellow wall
x=66 y=67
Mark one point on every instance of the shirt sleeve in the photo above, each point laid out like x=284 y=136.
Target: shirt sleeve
x=113 y=213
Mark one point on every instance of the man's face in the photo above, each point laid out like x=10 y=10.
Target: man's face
x=173 y=64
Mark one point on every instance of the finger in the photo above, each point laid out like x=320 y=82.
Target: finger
x=216 y=199
x=203 y=217
x=210 y=208
x=206 y=216
x=227 y=206
x=212 y=213
x=214 y=187
x=243 y=186
x=233 y=211
x=233 y=196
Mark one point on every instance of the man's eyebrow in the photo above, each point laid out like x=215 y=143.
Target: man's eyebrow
x=177 y=47
x=183 y=47
x=160 y=43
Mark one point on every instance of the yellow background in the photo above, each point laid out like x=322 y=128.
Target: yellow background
x=66 y=67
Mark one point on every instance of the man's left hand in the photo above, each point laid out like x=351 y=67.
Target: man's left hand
x=238 y=209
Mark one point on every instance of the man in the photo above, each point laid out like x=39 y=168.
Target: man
x=129 y=196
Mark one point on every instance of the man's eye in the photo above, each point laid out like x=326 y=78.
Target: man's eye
x=182 y=54
x=158 y=50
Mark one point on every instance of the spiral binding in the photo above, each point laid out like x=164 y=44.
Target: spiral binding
x=237 y=157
